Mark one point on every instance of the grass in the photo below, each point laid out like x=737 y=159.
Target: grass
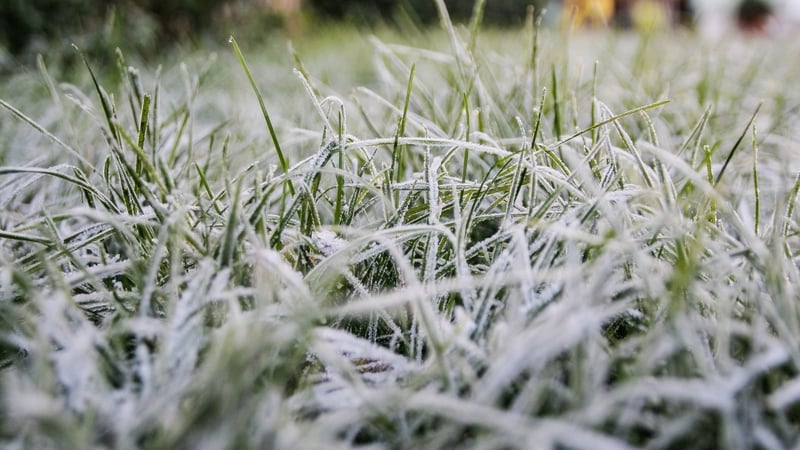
x=469 y=238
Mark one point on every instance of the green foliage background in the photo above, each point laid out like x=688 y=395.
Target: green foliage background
x=144 y=25
x=23 y=20
x=501 y=12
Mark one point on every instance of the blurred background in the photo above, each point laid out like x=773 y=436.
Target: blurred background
x=30 y=27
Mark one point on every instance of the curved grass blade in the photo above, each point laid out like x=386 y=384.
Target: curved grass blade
x=20 y=115
x=281 y=157
x=737 y=144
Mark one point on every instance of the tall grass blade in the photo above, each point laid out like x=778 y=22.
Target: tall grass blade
x=281 y=157
x=737 y=144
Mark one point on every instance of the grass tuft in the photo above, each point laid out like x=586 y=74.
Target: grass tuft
x=459 y=251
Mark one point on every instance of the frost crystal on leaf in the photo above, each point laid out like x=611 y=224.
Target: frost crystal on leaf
x=327 y=242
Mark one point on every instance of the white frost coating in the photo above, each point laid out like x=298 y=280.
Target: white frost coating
x=327 y=242
x=373 y=366
x=786 y=396
x=433 y=191
x=357 y=348
x=544 y=294
x=5 y=278
x=74 y=356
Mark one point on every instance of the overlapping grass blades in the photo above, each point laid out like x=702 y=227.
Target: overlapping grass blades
x=461 y=254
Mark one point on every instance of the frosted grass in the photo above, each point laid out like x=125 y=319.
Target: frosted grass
x=499 y=240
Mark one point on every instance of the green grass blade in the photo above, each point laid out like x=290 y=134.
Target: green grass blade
x=281 y=157
x=756 y=189
x=736 y=145
x=397 y=154
x=556 y=102
x=143 y=121
x=230 y=241
x=11 y=236
x=105 y=102
x=609 y=120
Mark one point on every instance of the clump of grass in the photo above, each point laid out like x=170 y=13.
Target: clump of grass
x=475 y=249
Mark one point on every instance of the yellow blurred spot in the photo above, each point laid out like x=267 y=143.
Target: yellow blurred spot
x=649 y=15
x=587 y=12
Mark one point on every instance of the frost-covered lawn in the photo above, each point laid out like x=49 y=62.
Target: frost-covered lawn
x=497 y=240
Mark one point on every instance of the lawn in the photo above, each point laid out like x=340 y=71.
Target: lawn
x=461 y=237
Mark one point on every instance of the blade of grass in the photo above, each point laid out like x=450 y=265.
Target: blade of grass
x=281 y=157
x=710 y=176
x=609 y=120
x=143 y=121
x=24 y=237
x=475 y=23
x=81 y=183
x=468 y=116
x=105 y=101
x=337 y=210
x=756 y=190
x=230 y=241
x=20 y=115
x=397 y=155
x=556 y=102
x=737 y=144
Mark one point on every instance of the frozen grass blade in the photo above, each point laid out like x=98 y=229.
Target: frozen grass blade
x=20 y=115
x=556 y=102
x=337 y=210
x=281 y=157
x=143 y=121
x=608 y=121
x=756 y=190
x=108 y=108
x=230 y=241
x=475 y=23
x=24 y=237
x=398 y=166
x=79 y=181
x=736 y=145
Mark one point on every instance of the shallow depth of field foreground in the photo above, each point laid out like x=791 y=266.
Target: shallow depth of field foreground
x=518 y=239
